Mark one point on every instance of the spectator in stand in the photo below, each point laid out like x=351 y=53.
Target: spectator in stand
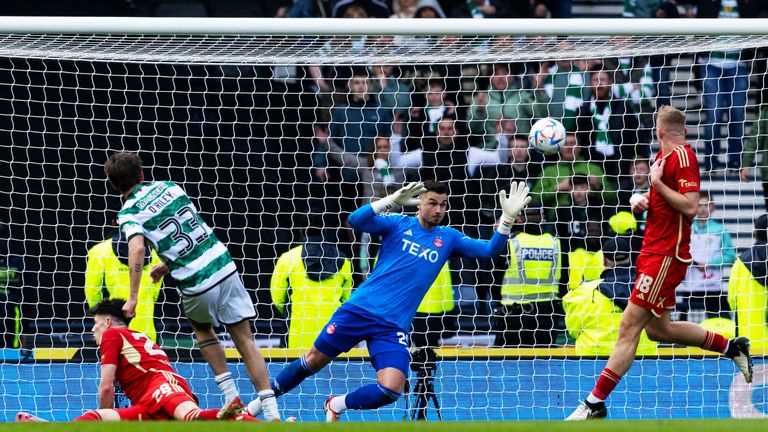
x=712 y=250
x=373 y=8
x=404 y=8
x=552 y=8
x=423 y=121
x=585 y=261
x=756 y=146
x=354 y=125
x=609 y=128
x=516 y=162
x=593 y=310
x=564 y=84
x=748 y=288
x=570 y=221
x=725 y=84
x=387 y=176
x=391 y=93
x=506 y=99
x=553 y=189
x=633 y=80
x=310 y=9
x=638 y=182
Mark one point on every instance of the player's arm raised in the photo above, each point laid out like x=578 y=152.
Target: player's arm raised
x=107 y=386
x=511 y=206
x=687 y=203
x=136 y=250
x=364 y=218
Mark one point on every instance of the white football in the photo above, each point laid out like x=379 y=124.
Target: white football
x=547 y=136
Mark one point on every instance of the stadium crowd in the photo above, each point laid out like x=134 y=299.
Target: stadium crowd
x=343 y=136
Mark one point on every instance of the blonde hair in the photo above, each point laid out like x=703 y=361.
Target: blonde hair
x=671 y=119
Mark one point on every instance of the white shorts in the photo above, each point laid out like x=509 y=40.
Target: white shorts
x=226 y=303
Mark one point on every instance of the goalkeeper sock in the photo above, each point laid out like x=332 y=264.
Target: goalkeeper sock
x=605 y=385
x=291 y=376
x=715 y=342
x=367 y=397
x=227 y=386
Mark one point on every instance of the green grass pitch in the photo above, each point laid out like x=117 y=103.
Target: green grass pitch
x=704 y=425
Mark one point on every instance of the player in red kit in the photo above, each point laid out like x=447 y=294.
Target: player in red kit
x=143 y=371
x=664 y=257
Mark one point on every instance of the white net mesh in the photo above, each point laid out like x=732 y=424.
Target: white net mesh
x=277 y=139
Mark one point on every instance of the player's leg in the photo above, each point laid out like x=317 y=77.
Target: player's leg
x=295 y=372
x=255 y=366
x=134 y=413
x=388 y=348
x=388 y=388
x=201 y=312
x=234 y=309
x=634 y=319
x=692 y=334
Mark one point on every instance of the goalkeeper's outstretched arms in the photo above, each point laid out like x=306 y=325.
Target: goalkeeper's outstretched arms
x=511 y=206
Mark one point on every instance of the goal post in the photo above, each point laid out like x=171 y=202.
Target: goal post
x=279 y=128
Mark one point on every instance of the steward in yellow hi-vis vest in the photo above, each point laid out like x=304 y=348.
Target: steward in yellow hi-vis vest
x=11 y=285
x=309 y=283
x=530 y=308
x=593 y=309
x=107 y=270
x=748 y=288
x=432 y=321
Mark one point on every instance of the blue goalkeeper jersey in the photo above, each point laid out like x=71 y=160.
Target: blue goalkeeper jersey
x=409 y=260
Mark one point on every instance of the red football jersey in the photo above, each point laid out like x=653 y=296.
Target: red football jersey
x=667 y=231
x=138 y=360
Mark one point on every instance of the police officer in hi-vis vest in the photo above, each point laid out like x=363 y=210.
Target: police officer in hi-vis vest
x=530 y=313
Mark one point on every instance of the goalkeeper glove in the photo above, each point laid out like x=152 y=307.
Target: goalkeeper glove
x=405 y=196
x=512 y=205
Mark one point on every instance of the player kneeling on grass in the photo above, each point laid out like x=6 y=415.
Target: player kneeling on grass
x=143 y=371
x=413 y=251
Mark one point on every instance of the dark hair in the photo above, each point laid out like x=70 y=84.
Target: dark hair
x=123 y=171
x=580 y=180
x=436 y=186
x=436 y=82
x=597 y=68
x=111 y=307
x=705 y=194
x=359 y=71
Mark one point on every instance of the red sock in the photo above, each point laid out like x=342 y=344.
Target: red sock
x=208 y=414
x=605 y=384
x=714 y=342
x=89 y=416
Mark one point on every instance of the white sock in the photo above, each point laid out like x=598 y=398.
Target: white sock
x=227 y=386
x=593 y=400
x=338 y=403
x=263 y=394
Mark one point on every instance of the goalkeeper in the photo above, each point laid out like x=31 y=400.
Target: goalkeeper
x=413 y=250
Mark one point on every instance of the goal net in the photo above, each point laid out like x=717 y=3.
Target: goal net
x=277 y=136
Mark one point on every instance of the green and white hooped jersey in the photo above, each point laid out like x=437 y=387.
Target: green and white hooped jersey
x=163 y=213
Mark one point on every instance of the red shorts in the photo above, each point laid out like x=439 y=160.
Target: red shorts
x=164 y=394
x=657 y=278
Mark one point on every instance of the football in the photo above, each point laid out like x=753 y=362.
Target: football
x=547 y=136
